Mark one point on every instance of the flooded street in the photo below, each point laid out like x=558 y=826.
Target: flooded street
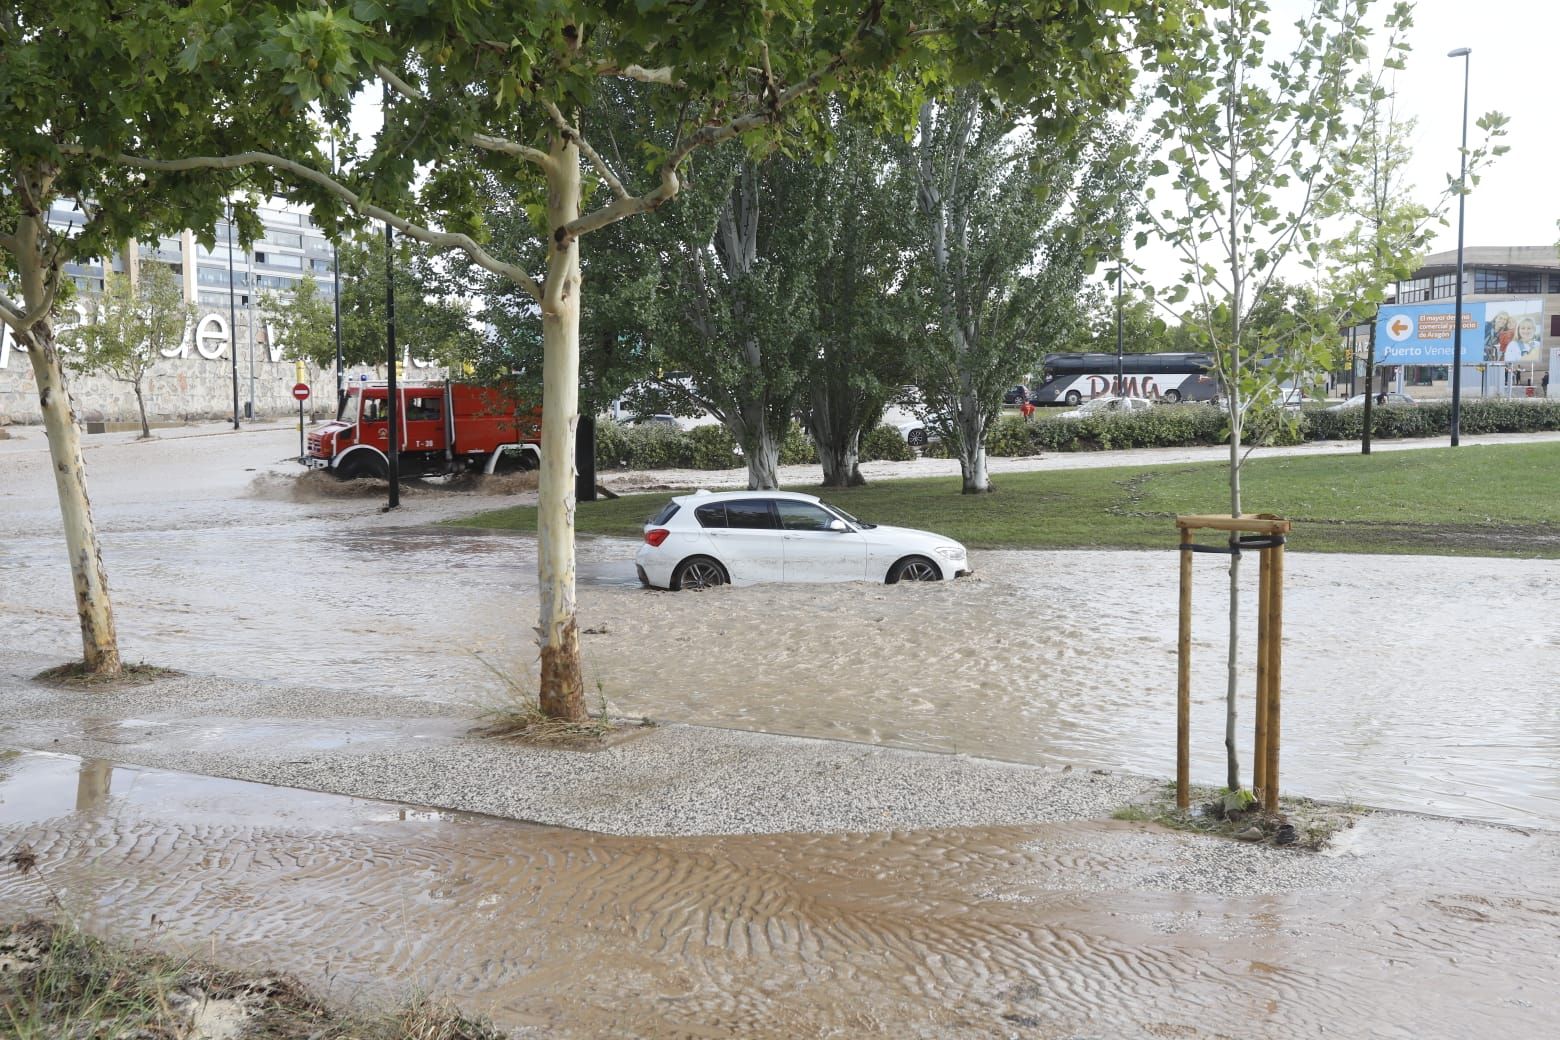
x=1097 y=929
x=1419 y=683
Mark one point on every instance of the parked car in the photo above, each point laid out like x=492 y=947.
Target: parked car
x=1107 y=405
x=913 y=429
x=1391 y=397
x=1016 y=394
x=744 y=537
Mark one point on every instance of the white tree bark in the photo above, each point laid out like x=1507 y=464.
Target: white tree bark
x=94 y=608
x=562 y=687
x=762 y=452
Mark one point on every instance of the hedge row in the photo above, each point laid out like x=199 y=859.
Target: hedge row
x=658 y=446
x=655 y=446
x=1172 y=426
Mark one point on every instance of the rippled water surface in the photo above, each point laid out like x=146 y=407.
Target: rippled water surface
x=1417 y=682
x=1085 y=929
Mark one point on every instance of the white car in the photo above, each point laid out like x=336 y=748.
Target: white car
x=1108 y=405
x=744 y=537
x=1391 y=397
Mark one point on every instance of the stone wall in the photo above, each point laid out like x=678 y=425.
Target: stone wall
x=195 y=384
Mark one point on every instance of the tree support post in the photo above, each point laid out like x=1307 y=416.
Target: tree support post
x=1266 y=533
x=1275 y=672
x=1183 y=683
x=1259 y=741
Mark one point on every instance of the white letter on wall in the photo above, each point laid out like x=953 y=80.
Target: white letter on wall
x=211 y=335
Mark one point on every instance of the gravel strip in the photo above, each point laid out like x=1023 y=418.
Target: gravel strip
x=663 y=780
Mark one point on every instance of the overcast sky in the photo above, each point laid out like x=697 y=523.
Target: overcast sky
x=1516 y=202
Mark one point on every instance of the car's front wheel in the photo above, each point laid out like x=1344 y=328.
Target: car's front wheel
x=913 y=568
x=916 y=438
x=699 y=572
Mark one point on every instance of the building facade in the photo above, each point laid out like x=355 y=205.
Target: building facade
x=197 y=380
x=1526 y=280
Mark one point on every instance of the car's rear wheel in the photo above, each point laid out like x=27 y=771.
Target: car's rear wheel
x=1074 y=398
x=913 y=568
x=916 y=438
x=699 y=572
x=1173 y=396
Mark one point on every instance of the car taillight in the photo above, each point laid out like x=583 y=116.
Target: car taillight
x=656 y=535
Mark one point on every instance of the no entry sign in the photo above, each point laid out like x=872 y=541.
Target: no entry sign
x=301 y=391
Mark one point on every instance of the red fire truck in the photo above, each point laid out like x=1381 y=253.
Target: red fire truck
x=445 y=428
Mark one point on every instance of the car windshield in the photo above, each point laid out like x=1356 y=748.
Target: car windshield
x=837 y=511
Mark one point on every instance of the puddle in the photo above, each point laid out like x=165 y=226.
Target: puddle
x=1092 y=929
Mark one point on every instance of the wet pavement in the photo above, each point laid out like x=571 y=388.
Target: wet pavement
x=1082 y=929
x=1415 y=682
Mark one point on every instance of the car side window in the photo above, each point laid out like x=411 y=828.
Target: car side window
x=802 y=516
x=712 y=515
x=750 y=513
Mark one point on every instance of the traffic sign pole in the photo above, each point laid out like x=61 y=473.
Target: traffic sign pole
x=301 y=392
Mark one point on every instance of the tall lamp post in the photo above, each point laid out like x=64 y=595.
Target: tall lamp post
x=1119 y=376
x=1462 y=199
x=232 y=315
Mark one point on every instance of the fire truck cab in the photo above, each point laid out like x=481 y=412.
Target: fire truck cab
x=444 y=428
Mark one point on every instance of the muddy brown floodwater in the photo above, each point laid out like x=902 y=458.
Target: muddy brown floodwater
x=1416 y=682
x=1080 y=929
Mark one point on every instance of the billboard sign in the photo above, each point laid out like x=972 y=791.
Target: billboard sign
x=1498 y=332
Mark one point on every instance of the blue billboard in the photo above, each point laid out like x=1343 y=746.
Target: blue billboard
x=1500 y=332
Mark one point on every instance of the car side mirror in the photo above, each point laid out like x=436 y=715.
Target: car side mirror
x=838 y=525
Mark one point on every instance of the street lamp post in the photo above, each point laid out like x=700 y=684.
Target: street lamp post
x=232 y=315
x=1119 y=375
x=390 y=357
x=1462 y=199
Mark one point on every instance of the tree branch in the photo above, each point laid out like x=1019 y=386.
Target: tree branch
x=438 y=239
x=705 y=137
x=662 y=75
x=487 y=142
x=12 y=314
x=570 y=133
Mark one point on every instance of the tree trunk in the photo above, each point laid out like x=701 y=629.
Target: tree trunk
x=761 y=450
x=833 y=421
x=841 y=464
x=562 y=694
x=1232 y=688
x=972 y=441
x=140 y=404
x=99 y=640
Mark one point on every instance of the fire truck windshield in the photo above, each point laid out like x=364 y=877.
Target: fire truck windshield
x=349 y=410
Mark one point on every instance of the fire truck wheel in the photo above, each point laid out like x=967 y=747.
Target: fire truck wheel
x=363 y=464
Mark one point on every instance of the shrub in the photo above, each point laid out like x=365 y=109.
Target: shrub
x=885 y=443
x=657 y=446
x=797 y=449
x=611 y=444
x=1009 y=437
x=712 y=447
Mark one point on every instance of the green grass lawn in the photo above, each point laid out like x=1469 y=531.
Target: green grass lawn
x=1474 y=500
